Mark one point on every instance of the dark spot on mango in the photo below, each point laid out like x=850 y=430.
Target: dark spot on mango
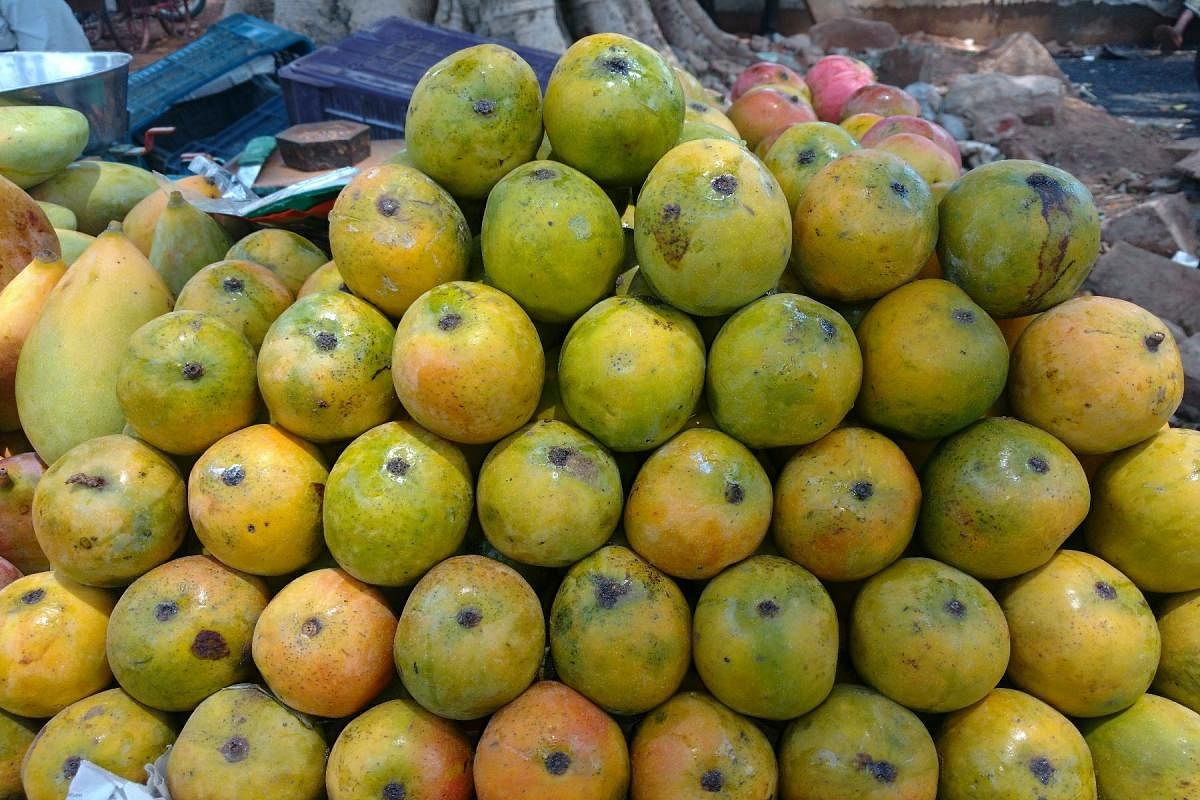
x=699 y=108
x=33 y=596
x=881 y=771
x=963 y=315
x=319 y=490
x=724 y=185
x=90 y=481
x=235 y=749
x=712 y=780
x=70 y=767
x=388 y=206
x=955 y=608
x=397 y=466
x=1042 y=769
x=484 y=107
x=1105 y=590
x=233 y=475
x=325 y=341
x=671 y=211
x=899 y=189
x=557 y=762
x=311 y=627
x=617 y=65
x=828 y=329
x=734 y=493
x=862 y=490
x=233 y=285
x=543 y=174
x=193 y=371
x=394 y=791
x=558 y=456
x=165 y=611
x=608 y=591
x=1154 y=340
x=344 y=288
x=449 y=322
x=1038 y=465
x=6 y=482
x=469 y=617
x=210 y=646
x=85 y=543
x=767 y=609
x=806 y=157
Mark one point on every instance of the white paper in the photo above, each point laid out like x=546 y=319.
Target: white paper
x=94 y=783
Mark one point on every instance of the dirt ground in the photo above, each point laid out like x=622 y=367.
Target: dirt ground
x=162 y=44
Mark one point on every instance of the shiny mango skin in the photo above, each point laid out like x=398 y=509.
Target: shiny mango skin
x=551 y=742
x=551 y=239
x=765 y=638
x=324 y=366
x=399 y=748
x=19 y=476
x=182 y=631
x=1083 y=638
x=1011 y=744
x=467 y=363
x=110 y=510
x=187 y=379
x=620 y=631
x=255 y=500
x=185 y=241
x=700 y=503
x=98 y=192
x=140 y=222
x=286 y=253
x=928 y=636
x=846 y=505
x=859 y=124
x=396 y=234
x=613 y=107
x=16 y=735
x=866 y=223
x=570 y=479
x=1018 y=236
x=1178 y=675
x=109 y=729
x=713 y=230
x=802 y=151
x=692 y=746
x=241 y=742
x=398 y=501
x=470 y=639
x=326 y=278
x=933 y=361
x=857 y=745
x=693 y=90
x=1151 y=749
x=1000 y=498
x=248 y=296
x=72 y=244
x=324 y=643
x=51 y=643
x=694 y=129
x=700 y=111
x=782 y=371
x=21 y=303
x=474 y=116
x=631 y=371
x=1099 y=373
x=38 y=141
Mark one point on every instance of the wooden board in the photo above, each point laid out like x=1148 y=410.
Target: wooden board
x=275 y=174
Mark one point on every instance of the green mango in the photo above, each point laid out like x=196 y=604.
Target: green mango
x=38 y=141
x=73 y=243
x=185 y=241
x=97 y=191
x=60 y=216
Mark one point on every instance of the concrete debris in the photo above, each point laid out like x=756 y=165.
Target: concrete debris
x=1019 y=54
x=1161 y=225
x=989 y=101
x=955 y=125
x=913 y=61
x=928 y=96
x=854 y=34
x=978 y=153
x=1190 y=166
x=1189 y=349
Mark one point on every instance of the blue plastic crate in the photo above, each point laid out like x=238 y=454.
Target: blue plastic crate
x=369 y=77
x=267 y=119
x=225 y=46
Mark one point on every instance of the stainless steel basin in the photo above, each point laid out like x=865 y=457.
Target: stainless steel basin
x=94 y=84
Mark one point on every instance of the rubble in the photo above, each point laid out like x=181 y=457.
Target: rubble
x=1019 y=54
x=1189 y=412
x=1161 y=225
x=928 y=96
x=854 y=34
x=912 y=61
x=1190 y=166
x=1156 y=283
x=991 y=101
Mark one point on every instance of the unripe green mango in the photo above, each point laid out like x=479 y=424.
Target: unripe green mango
x=38 y=141
x=97 y=191
x=185 y=241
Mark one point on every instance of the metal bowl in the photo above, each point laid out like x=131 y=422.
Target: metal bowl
x=94 y=84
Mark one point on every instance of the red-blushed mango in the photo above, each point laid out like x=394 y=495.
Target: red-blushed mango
x=765 y=638
x=833 y=79
x=552 y=240
x=398 y=501
x=859 y=124
x=467 y=363
x=700 y=503
x=1000 y=498
x=846 y=505
x=631 y=370
x=247 y=296
x=324 y=365
x=931 y=162
x=1099 y=373
x=620 y=631
x=783 y=371
x=1019 y=236
x=697 y=111
x=857 y=745
x=21 y=303
x=53 y=653
x=1178 y=675
x=1010 y=744
x=471 y=638
x=933 y=361
x=323 y=644
x=712 y=230
x=8 y=573
x=16 y=734
x=473 y=117
x=882 y=99
x=286 y=253
x=928 y=636
x=396 y=234
x=1083 y=638
x=1143 y=518
x=182 y=631
x=570 y=479
x=19 y=476
x=764 y=110
x=255 y=500
x=613 y=107
x=802 y=151
x=110 y=729
x=765 y=72
x=1151 y=749
x=141 y=220
x=243 y=743
x=326 y=278
x=693 y=747
x=865 y=224
x=891 y=126
x=109 y=510
x=399 y=750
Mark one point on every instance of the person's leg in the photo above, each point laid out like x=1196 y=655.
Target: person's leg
x=1170 y=37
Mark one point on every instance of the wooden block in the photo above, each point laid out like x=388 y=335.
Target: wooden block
x=315 y=146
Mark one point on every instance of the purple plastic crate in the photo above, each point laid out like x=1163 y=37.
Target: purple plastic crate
x=369 y=77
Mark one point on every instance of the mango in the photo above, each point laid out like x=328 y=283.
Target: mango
x=67 y=373
x=247 y=296
x=765 y=110
x=882 y=99
x=859 y=124
x=474 y=116
x=241 y=742
x=1083 y=638
x=109 y=729
x=142 y=219
x=185 y=240
x=397 y=502
x=38 y=141
x=931 y=162
x=16 y=735
x=24 y=230
x=692 y=88
x=286 y=253
x=1151 y=749
x=19 y=476
x=53 y=633
x=1099 y=373
x=694 y=129
x=72 y=244
x=888 y=127
x=60 y=216
x=21 y=302
x=698 y=111
x=803 y=150
x=326 y=278
x=396 y=234
x=766 y=72
x=97 y=192
x=1178 y=675
x=832 y=80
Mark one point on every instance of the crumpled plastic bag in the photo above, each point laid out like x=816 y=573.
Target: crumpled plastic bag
x=96 y=783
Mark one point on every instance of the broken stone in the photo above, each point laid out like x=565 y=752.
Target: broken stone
x=928 y=96
x=984 y=100
x=1019 y=54
x=1157 y=284
x=854 y=33
x=1183 y=147
x=955 y=125
x=1190 y=166
x=976 y=154
x=1189 y=350
x=910 y=62
x=1161 y=225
